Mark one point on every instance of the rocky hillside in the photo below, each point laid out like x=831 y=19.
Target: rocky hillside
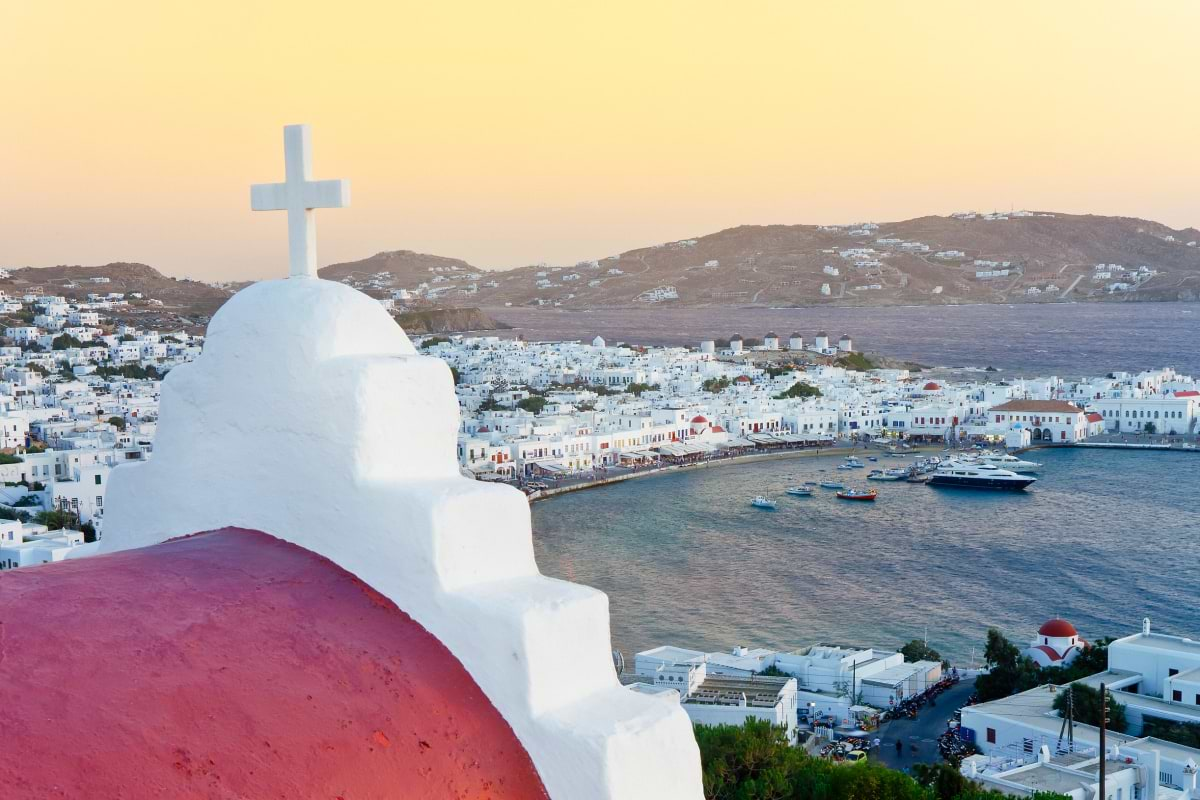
x=447 y=320
x=165 y=303
x=170 y=303
x=1016 y=258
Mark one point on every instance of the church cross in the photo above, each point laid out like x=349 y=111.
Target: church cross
x=299 y=194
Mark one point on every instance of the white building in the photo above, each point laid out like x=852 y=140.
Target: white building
x=1154 y=676
x=1050 y=420
x=1057 y=644
x=27 y=544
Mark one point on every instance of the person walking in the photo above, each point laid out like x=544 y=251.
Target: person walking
x=899 y=749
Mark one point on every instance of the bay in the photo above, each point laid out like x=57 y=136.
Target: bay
x=1103 y=539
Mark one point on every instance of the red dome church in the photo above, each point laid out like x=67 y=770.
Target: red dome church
x=300 y=596
x=1057 y=644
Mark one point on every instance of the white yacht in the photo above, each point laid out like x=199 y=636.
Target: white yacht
x=976 y=475
x=1009 y=462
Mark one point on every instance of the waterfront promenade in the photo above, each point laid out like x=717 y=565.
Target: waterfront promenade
x=613 y=475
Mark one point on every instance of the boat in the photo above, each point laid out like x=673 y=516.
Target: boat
x=886 y=475
x=964 y=475
x=872 y=458
x=810 y=483
x=853 y=463
x=832 y=485
x=857 y=494
x=799 y=491
x=762 y=502
x=1009 y=462
x=845 y=466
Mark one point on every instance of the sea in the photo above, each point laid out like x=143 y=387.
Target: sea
x=1104 y=538
x=1064 y=339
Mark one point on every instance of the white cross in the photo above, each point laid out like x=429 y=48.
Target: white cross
x=299 y=194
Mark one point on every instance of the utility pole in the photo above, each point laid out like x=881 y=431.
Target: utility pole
x=1068 y=723
x=1103 y=725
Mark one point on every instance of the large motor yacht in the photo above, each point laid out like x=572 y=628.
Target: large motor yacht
x=978 y=476
x=1009 y=462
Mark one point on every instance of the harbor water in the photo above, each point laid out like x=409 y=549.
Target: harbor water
x=1103 y=539
x=1065 y=339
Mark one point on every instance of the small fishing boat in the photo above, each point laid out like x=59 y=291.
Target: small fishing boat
x=872 y=458
x=857 y=494
x=799 y=491
x=844 y=466
x=886 y=475
x=832 y=485
x=853 y=463
x=810 y=483
x=762 y=502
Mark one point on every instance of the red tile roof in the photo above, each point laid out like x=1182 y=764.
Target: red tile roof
x=1040 y=406
x=1057 y=627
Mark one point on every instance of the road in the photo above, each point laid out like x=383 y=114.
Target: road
x=922 y=732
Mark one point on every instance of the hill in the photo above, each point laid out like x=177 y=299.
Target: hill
x=165 y=303
x=1023 y=257
x=1014 y=258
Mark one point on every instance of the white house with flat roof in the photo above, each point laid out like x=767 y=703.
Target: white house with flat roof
x=1153 y=675
x=727 y=694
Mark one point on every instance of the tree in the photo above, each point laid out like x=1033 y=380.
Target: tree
x=755 y=761
x=1009 y=671
x=58 y=518
x=1087 y=706
x=799 y=390
x=716 y=385
x=1184 y=733
x=918 y=650
x=1150 y=427
x=117 y=422
x=636 y=389
x=64 y=341
x=855 y=361
x=533 y=404
x=132 y=371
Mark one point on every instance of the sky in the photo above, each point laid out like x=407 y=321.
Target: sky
x=513 y=133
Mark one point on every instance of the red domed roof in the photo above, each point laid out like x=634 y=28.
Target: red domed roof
x=931 y=387
x=699 y=418
x=234 y=664
x=1058 y=627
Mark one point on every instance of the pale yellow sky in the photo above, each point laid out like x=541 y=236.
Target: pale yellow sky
x=510 y=133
